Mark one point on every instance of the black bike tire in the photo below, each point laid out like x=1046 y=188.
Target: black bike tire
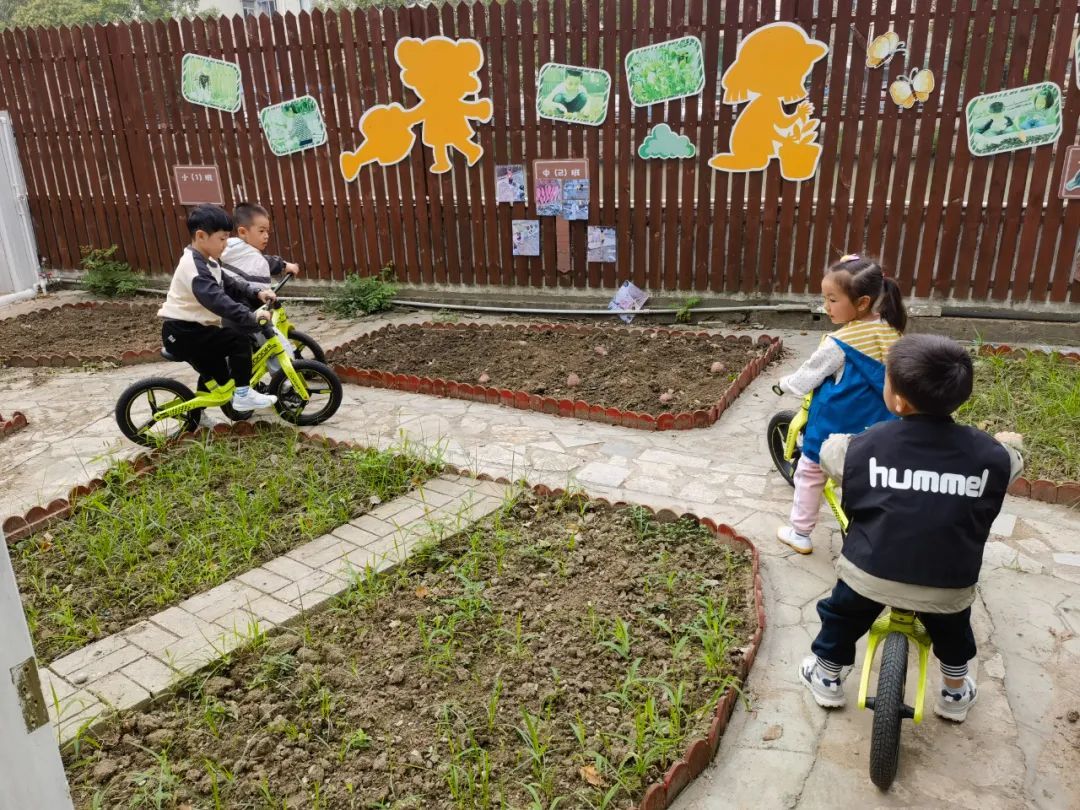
x=888 y=711
x=775 y=435
x=123 y=407
x=336 y=393
x=235 y=415
x=317 y=353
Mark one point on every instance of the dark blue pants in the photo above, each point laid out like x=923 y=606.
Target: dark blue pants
x=846 y=617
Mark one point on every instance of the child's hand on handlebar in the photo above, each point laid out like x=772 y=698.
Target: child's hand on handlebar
x=267 y=296
x=263 y=315
x=292 y=268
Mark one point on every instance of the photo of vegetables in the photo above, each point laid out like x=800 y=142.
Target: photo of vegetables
x=668 y=70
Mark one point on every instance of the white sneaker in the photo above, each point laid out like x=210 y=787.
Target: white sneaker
x=253 y=401
x=827 y=691
x=800 y=542
x=952 y=706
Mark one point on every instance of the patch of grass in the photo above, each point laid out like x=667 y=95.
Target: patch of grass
x=1038 y=396
x=208 y=511
x=363 y=296
x=106 y=276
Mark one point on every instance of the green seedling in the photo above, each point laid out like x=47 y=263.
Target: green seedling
x=357 y=741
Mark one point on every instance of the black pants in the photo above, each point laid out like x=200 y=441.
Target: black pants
x=846 y=617
x=217 y=354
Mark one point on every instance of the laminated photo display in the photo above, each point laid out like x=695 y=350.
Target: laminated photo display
x=576 y=95
x=667 y=70
x=293 y=126
x=510 y=184
x=525 y=235
x=601 y=243
x=1020 y=118
x=210 y=82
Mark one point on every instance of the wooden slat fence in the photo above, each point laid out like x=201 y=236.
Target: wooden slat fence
x=100 y=123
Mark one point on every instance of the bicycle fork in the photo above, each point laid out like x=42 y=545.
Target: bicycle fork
x=905 y=623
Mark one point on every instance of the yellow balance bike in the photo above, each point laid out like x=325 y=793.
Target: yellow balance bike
x=894 y=626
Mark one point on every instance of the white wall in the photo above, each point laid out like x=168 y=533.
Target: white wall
x=233 y=7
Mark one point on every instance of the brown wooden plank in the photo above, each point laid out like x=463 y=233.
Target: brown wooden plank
x=515 y=128
x=857 y=92
x=529 y=68
x=579 y=268
x=1057 y=242
x=785 y=238
x=497 y=71
x=560 y=28
x=704 y=207
x=754 y=275
x=36 y=71
x=547 y=148
x=357 y=70
x=883 y=205
x=165 y=97
x=905 y=253
x=946 y=274
x=823 y=251
x=591 y=273
x=724 y=114
x=72 y=135
x=950 y=119
x=476 y=261
x=627 y=231
x=671 y=169
x=657 y=112
x=736 y=241
x=1030 y=166
x=1016 y=60
x=610 y=41
x=74 y=65
x=375 y=50
x=339 y=215
x=465 y=210
x=990 y=80
x=894 y=231
x=452 y=263
x=41 y=202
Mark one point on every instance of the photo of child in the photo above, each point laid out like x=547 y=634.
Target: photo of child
x=601 y=243
x=577 y=95
x=525 y=236
x=510 y=184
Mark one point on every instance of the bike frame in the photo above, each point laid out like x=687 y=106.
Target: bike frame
x=897 y=621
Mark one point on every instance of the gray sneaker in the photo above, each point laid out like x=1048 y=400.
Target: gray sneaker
x=827 y=691
x=952 y=706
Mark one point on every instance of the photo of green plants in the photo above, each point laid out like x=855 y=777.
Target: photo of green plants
x=210 y=82
x=293 y=126
x=672 y=69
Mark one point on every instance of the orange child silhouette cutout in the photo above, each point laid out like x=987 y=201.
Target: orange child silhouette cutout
x=769 y=70
x=442 y=72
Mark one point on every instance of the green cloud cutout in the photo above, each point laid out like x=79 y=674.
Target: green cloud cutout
x=661 y=142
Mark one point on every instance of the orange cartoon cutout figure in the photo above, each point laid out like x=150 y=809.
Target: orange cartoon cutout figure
x=443 y=73
x=770 y=69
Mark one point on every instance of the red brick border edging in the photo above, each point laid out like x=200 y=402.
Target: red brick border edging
x=575 y=409
x=16 y=422
x=69 y=360
x=699 y=753
x=1064 y=493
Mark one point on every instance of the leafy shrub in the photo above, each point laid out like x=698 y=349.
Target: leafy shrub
x=106 y=276
x=363 y=296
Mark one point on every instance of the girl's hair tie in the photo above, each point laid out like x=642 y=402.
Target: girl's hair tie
x=849 y=257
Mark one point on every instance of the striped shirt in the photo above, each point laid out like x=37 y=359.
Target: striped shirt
x=872 y=338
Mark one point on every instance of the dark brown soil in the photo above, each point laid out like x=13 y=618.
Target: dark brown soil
x=486 y=672
x=617 y=367
x=80 y=331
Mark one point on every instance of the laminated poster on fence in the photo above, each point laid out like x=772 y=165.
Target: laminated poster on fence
x=576 y=95
x=510 y=183
x=525 y=237
x=210 y=82
x=629 y=297
x=293 y=126
x=601 y=243
x=667 y=70
x=1020 y=118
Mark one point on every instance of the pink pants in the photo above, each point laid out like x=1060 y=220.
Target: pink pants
x=809 y=484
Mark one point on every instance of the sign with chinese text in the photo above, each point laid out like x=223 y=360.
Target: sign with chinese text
x=196 y=185
x=559 y=186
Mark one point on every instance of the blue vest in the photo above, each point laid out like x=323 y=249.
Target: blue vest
x=849 y=406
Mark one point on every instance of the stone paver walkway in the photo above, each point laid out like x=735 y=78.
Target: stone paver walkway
x=1017 y=749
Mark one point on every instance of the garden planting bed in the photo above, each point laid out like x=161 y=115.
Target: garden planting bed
x=81 y=333
x=656 y=379
x=177 y=522
x=561 y=651
x=1036 y=394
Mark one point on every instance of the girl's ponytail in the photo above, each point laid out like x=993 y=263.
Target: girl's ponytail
x=892 y=309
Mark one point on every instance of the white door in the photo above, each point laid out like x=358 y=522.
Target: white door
x=18 y=249
x=31 y=773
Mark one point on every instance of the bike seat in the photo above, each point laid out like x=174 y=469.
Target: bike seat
x=170 y=357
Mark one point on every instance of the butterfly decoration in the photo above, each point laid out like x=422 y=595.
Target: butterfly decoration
x=883 y=49
x=911 y=88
